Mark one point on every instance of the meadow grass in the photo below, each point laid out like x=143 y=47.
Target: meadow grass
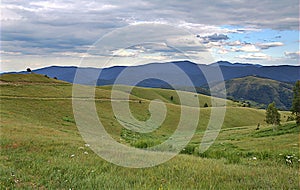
x=41 y=147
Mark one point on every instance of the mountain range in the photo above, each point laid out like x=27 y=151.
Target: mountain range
x=266 y=84
x=196 y=72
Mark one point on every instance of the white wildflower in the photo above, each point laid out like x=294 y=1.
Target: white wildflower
x=254 y=158
x=85 y=152
x=87 y=145
x=73 y=155
x=288 y=161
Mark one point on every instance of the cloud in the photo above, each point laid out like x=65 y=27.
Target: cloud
x=213 y=38
x=10 y=53
x=5 y=60
x=292 y=55
x=235 y=43
x=51 y=27
x=222 y=51
x=254 y=56
x=124 y=53
x=269 y=45
x=246 y=48
x=74 y=54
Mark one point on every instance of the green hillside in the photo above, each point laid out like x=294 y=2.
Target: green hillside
x=28 y=78
x=261 y=90
x=41 y=147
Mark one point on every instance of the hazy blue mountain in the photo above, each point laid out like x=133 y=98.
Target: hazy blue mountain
x=229 y=64
x=284 y=73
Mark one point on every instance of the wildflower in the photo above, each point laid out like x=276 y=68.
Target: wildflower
x=254 y=158
x=288 y=157
x=288 y=161
x=87 y=145
x=73 y=155
x=280 y=154
x=80 y=148
x=85 y=152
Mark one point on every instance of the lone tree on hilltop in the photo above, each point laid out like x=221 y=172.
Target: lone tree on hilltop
x=28 y=70
x=296 y=102
x=272 y=115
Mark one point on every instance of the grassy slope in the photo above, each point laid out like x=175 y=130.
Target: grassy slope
x=29 y=78
x=38 y=136
x=260 y=90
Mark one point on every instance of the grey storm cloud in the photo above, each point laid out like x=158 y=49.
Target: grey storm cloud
x=214 y=38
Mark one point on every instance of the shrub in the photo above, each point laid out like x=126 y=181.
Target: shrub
x=189 y=149
x=145 y=143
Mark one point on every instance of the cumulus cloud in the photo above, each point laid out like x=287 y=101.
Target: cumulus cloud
x=246 y=48
x=254 y=56
x=292 y=55
x=269 y=45
x=124 y=53
x=235 y=43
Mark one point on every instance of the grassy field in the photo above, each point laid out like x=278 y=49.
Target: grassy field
x=41 y=147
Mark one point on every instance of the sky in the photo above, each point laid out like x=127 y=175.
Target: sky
x=38 y=34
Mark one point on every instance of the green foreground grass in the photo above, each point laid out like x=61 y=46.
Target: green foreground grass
x=41 y=147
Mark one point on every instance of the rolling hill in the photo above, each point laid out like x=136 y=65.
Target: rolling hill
x=260 y=90
x=41 y=147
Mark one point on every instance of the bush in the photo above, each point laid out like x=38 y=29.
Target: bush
x=290 y=118
x=189 y=149
x=143 y=143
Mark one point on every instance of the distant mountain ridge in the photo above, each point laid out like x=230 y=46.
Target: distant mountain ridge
x=229 y=64
x=196 y=73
